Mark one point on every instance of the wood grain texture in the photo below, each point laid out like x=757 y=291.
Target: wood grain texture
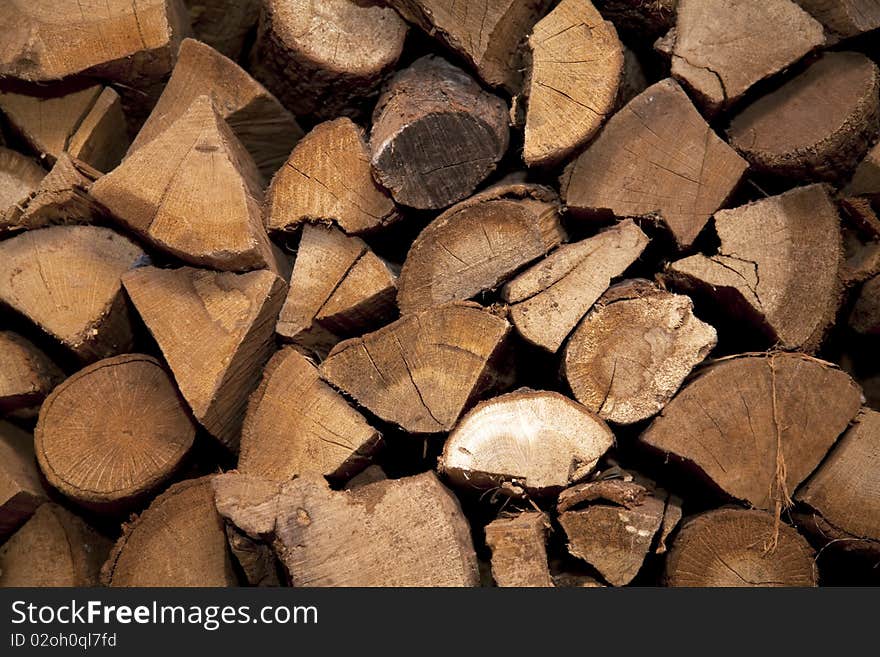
x=21 y=490
x=519 y=550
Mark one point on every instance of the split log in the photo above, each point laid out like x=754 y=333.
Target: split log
x=218 y=225
x=625 y=492
x=644 y=21
x=866 y=179
x=478 y=244
x=53 y=549
x=66 y=280
x=657 y=157
x=845 y=18
x=256 y=559
x=817 y=126
x=550 y=298
x=721 y=49
x=296 y=424
x=861 y=259
x=488 y=34
x=20 y=176
x=519 y=550
x=215 y=331
x=632 y=352
x=577 y=65
x=326 y=59
x=729 y=547
x=27 y=375
x=865 y=315
x=757 y=425
x=421 y=371
x=370 y=475
x=223 y=24
x=778 y=267
x=21 y=490
x=538 y=442
x=113 y=433
x=436 y=135
x=179 y=540
x=576 y=580
x=264 y=127
x=339 y=288
x=101 y=138
x=401 y=532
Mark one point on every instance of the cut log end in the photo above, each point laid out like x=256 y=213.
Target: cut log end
x=519 y=551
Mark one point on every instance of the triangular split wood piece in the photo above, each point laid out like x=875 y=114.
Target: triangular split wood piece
x=20 y=177
x=27 y=375
x=21 y=490
x=215 y=331
x=864 y=317
x=866 y=179
x=519 y=550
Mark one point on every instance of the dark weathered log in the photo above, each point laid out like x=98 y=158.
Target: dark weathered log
x=519 y=550
x=21 y=491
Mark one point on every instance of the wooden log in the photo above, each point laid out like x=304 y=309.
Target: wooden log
x=326 y=59
x=817 y=126
x=20 y=176
x=264 y=127
x=401 y=532
x=113 y=433
x=339 y=288
x=577 y=67
x=67 y=281
x=757 y=425
x=488 y=34
x=632 y=352
x=865 y=315
x=658 y=158
x=179 y=540
x=538 y=442
x=255 y=559
x=421 y=371
x=720 y=50
x=728 y=547
x=476 y=245
x=223 y=24
x=370 y=475
x=861 y=259
x=625 y=492
x=791 y=298
x=519 y=550
x=640 y=20
x=328 y=179
x=296 y=424
x=633 y=80
x=218 y=225
x=27 y=375
x=215 y=332
x=101 y=138
x=550 y=298
x=866 y=179
x=54 y=548
x=436 y=135
x=845 y=18
x=21 y=490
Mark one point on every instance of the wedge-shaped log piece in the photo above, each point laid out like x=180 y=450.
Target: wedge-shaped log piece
x=757 y=425
x=632 y=352
x=478 y=244
x=256 y=560
x=577 y=66
x=778 y=266
x=21 y=491
x=401 y=532
x=538 y=441
x=328 y=179
x=656 y=157
x=866 y=179
x=215 y=331
x=67 y=281
x=101 y=138
x=54 y=548
x=519 y=550
x=421 y=371
x=729 y=547
x=223 y=24
x=113 y=432
x=865 y=315
x=20 y=177
x=817 y=126
x=296 y=424
x=845 y=18
x=550 y=298
x=27 y=375
x=179 y=540
x=218 y=225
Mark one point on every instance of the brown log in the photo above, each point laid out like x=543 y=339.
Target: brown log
x=866 y=179
x=257 y=561
x=326 y=59
x=21 y=490
x=778 y=267
x=817 y=126
x=370 y=475
x=728 y=547
x=296 y=424
x=757 y=425
x=421 y=371
x=658 y=158
x=577 y=66
x=642 y=20
x=54 y=548
x=27 y=375
x=436 y=135
x=215 y=331
x=535 y=441
x=264 y=127
x=328 y=179
x=861 y=259
x=20 y=176
x=67 y=281
x=845 y=18
x=179 y=540
x=479 y=243
x=223 y=24
x=401 y=532
x=519 y=550
x=865 y=315
x=631 y=353
x=113 y=433
x=101 y=138
x=550 y=298
x=625 y=492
